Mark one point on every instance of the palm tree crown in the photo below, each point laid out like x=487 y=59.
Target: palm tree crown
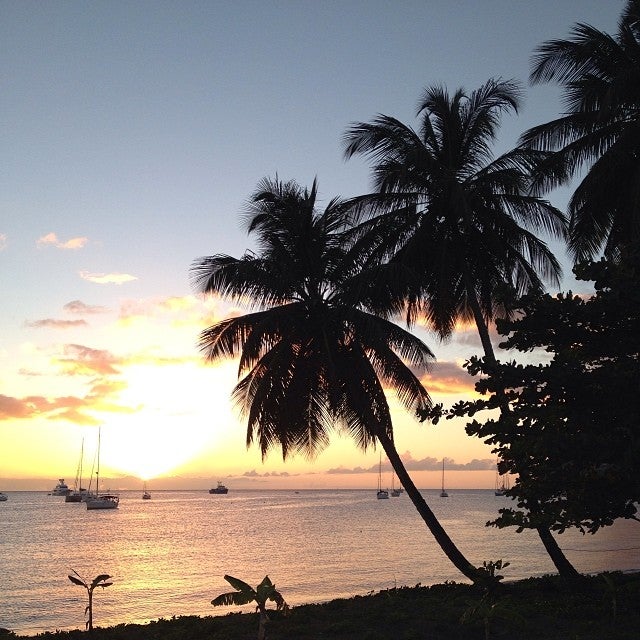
x=456 y=220
x=311 y=356
x=600 y=131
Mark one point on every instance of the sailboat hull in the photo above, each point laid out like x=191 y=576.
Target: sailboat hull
x=103 y=502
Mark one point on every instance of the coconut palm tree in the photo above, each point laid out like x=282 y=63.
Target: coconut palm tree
x=312 y=358
x=599 y=134
x=456 y=223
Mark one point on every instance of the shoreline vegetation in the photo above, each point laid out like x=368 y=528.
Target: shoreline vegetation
x=544 y=608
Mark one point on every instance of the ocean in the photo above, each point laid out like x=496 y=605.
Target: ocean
x=167 y=556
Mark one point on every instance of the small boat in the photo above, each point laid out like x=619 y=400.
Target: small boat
x=395 y=493
x=78 y=492
x=106 y=500
x=501 y=484
x=382 y=494
x=443 y=493
x=220 y=489
x=145 y=494
x=61 y=489
x=3 y=497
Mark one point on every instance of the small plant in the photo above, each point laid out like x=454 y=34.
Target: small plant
x=98 y=581
x=488 y=610
x=245 y=593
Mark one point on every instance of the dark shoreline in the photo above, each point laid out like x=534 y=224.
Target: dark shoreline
x=602 y=606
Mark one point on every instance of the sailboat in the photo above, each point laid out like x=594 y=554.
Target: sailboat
x=106 y=500
x=501 y=485
x=382 y=494
x=443 y=493
x=394 y=492
x=78 y=492
x=145 y=494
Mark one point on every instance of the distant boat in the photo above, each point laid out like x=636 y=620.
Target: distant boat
x=61 y=489
x=382 y=494
x=443 y=493
x=219 y=489
x=394 y=492
x=78 y=492
x=3 y=497
x=502 y=484
x=106 y=500
x=145 y=494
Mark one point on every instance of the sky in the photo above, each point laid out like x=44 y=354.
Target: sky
x=133 y=134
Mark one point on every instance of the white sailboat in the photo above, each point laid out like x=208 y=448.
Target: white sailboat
x=443 y=493
x=105 y=500
x=382 y=494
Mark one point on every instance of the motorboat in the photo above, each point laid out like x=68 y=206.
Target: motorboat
x=221 y=489
x=61 y=489
x=3 y=497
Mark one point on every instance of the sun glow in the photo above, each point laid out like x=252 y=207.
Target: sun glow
x=152 y=449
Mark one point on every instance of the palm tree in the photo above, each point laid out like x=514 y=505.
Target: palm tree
x=456 y=223
x=599 y=132
x=312 y=358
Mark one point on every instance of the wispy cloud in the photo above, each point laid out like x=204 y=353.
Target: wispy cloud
x=78 y=307
x=51 y=239
x=51 y=323
x=107 y=278
x=3 y=241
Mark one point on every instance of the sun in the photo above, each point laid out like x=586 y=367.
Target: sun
x=149 y=450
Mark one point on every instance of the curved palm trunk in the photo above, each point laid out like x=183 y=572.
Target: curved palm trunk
x=560 y=561
x=442 y=538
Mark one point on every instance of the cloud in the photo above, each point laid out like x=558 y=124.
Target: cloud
x=56 y=324
x=269 y=474
x=80 y=360
x=448 y=377
x=80 y=308
x=51 y=239
x=3 y=241
x=107 y=278
x=424 y=464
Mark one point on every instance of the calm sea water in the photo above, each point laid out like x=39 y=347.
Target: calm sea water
x=168 y=555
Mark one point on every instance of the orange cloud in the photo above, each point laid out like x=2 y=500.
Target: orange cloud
x=449 y=378
x=107 y=278
x=86 y=361
x=52 y=239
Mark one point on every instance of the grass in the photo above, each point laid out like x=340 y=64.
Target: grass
x=603 y=606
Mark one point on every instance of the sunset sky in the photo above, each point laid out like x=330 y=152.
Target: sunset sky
x=132 y=134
